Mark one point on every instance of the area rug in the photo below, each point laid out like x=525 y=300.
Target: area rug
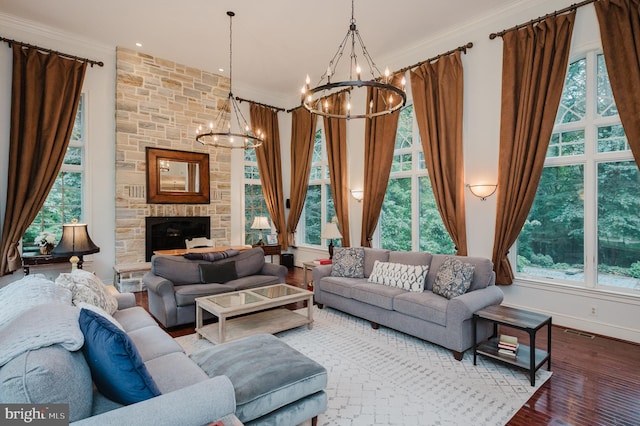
x=384 y=377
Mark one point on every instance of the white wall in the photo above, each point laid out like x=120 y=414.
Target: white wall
x=99 y=86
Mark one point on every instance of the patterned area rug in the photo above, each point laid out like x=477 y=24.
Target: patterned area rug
x=384 y=377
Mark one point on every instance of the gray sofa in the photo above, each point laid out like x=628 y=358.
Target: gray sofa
x=174 y=282
x=426 y=315
x=194 y=390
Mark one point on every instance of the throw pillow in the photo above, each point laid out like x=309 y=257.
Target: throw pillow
x=454 y=278
x=218 y=272
x=87 y=287
x=348 y=262
x=116 y=367
x=406 y=277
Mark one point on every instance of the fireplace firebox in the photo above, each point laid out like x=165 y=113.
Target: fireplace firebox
x=169 y=232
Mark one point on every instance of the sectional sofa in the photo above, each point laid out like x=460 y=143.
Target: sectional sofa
x=401 y=294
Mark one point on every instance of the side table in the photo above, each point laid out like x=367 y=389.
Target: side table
x=308 y=266
x=271 y=250
x=29 y=260
x=528 y=357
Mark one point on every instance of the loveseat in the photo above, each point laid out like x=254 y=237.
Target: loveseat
x=57 y=349
x=401 y=294
x=174 y=282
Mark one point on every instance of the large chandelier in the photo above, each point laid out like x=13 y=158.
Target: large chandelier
x=315 y=99
x=234 y=132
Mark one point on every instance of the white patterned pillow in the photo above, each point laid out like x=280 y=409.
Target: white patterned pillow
x=348 y=262
x=407 y=277
x=454 y=278
x=88 y=288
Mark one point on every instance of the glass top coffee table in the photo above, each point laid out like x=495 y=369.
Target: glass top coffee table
x=258 y=310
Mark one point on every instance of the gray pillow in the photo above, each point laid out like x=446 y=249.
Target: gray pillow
x=348 y=262
x=218 y=272
x=454 y=278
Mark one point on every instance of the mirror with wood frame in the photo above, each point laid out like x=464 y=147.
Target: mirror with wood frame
x=177 y=177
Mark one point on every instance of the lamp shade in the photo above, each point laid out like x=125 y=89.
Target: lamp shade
x=331 y=231
x=260 y=222
x=75 y=241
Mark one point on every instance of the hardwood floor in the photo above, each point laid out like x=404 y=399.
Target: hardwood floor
x=596 y=380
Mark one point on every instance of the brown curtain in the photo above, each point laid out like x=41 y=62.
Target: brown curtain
x=270 y=167
x=379 y=144
x=303 y=132
x=620 y=32
x=45 y=94
x=336 y=135
x=438 y=98
x=534 y=64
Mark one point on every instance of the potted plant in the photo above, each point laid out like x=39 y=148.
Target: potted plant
x=46 y=241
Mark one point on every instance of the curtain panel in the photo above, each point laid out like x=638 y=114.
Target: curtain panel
x=336 y=135
x=379 y=144
x=303 y=132
x=619 y=22
x=438 y=100
x=45 y=93
x=534 y=64
x=270 y=167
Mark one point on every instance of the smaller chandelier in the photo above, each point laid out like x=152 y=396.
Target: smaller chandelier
x=221 y=132
x=315 y=99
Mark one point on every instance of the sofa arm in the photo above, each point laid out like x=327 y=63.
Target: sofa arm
x=125 y=300
x=198 y=404
x=320 y=272
x=158 y=285
x=463 y=307
x=276 y=270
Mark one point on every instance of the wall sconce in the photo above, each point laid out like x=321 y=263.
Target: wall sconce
x=482 y=191
x=358 y=194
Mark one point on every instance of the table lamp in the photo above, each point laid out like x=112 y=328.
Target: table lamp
x=260 y=223
x=75 y=242
x=330 y=233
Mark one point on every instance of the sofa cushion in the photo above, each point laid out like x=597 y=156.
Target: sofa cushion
x=454 y=278
x=163 y=370
x=348 y=262
x=186 y=294
x=176 y=269
x=375 y=294
x=370 y=257
x=410 y=257
x=152 y=342
x=49 y=375
x=134 y=318
x=338 y=285
x=406 y=277
x=32 y=290
x=252 y=281
x=262 y=387
x=248 y=262
x=218 y=272
x=426 y=306
x=116 y=366
x=87 y=287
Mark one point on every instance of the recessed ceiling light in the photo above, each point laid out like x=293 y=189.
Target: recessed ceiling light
x=139 y=44
x=221 y=69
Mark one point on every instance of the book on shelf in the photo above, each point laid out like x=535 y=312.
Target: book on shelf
x=507 y=352
x=508 y=345
x=322 y=261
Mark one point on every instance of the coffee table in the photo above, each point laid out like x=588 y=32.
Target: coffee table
x=253 y=309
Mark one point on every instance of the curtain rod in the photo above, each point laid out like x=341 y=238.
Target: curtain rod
x=542 y=18
x=462 y=49
x=64 y=55
x=258 y=103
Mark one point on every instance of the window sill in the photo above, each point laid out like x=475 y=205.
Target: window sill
x=578 y=290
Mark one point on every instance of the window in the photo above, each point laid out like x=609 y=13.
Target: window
x=65 y=199
x=254 y=204
x=583 y=227
x=318 y=205
x=409 y=219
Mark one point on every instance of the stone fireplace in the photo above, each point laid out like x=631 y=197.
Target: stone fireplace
x=169 y=232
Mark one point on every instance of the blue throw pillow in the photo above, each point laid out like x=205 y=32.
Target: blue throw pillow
x=116 y=367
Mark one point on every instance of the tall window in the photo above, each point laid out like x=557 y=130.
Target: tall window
x=409 y=219
x=65 y=199
x=584 y=226
x=254 y=204
x=318 y=206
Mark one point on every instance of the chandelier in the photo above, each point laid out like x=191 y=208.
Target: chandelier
x=315 y=99
x=234 y=133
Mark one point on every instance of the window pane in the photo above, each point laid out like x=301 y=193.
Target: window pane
x=612 y=138
x=606 y=103
x=404 y=134
x=573 y=101
x=618 y=224
x=401 y=163
x=77 y=133
x=422 y=165
x=316 y=173
x=313 y=214
x=330 y=212
x=254 y=205
x=434 y=237
x=251 y=172
x=566 y=143
x=317 y=147
x=551 y=243
x=73 y=156
x=395 y=217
